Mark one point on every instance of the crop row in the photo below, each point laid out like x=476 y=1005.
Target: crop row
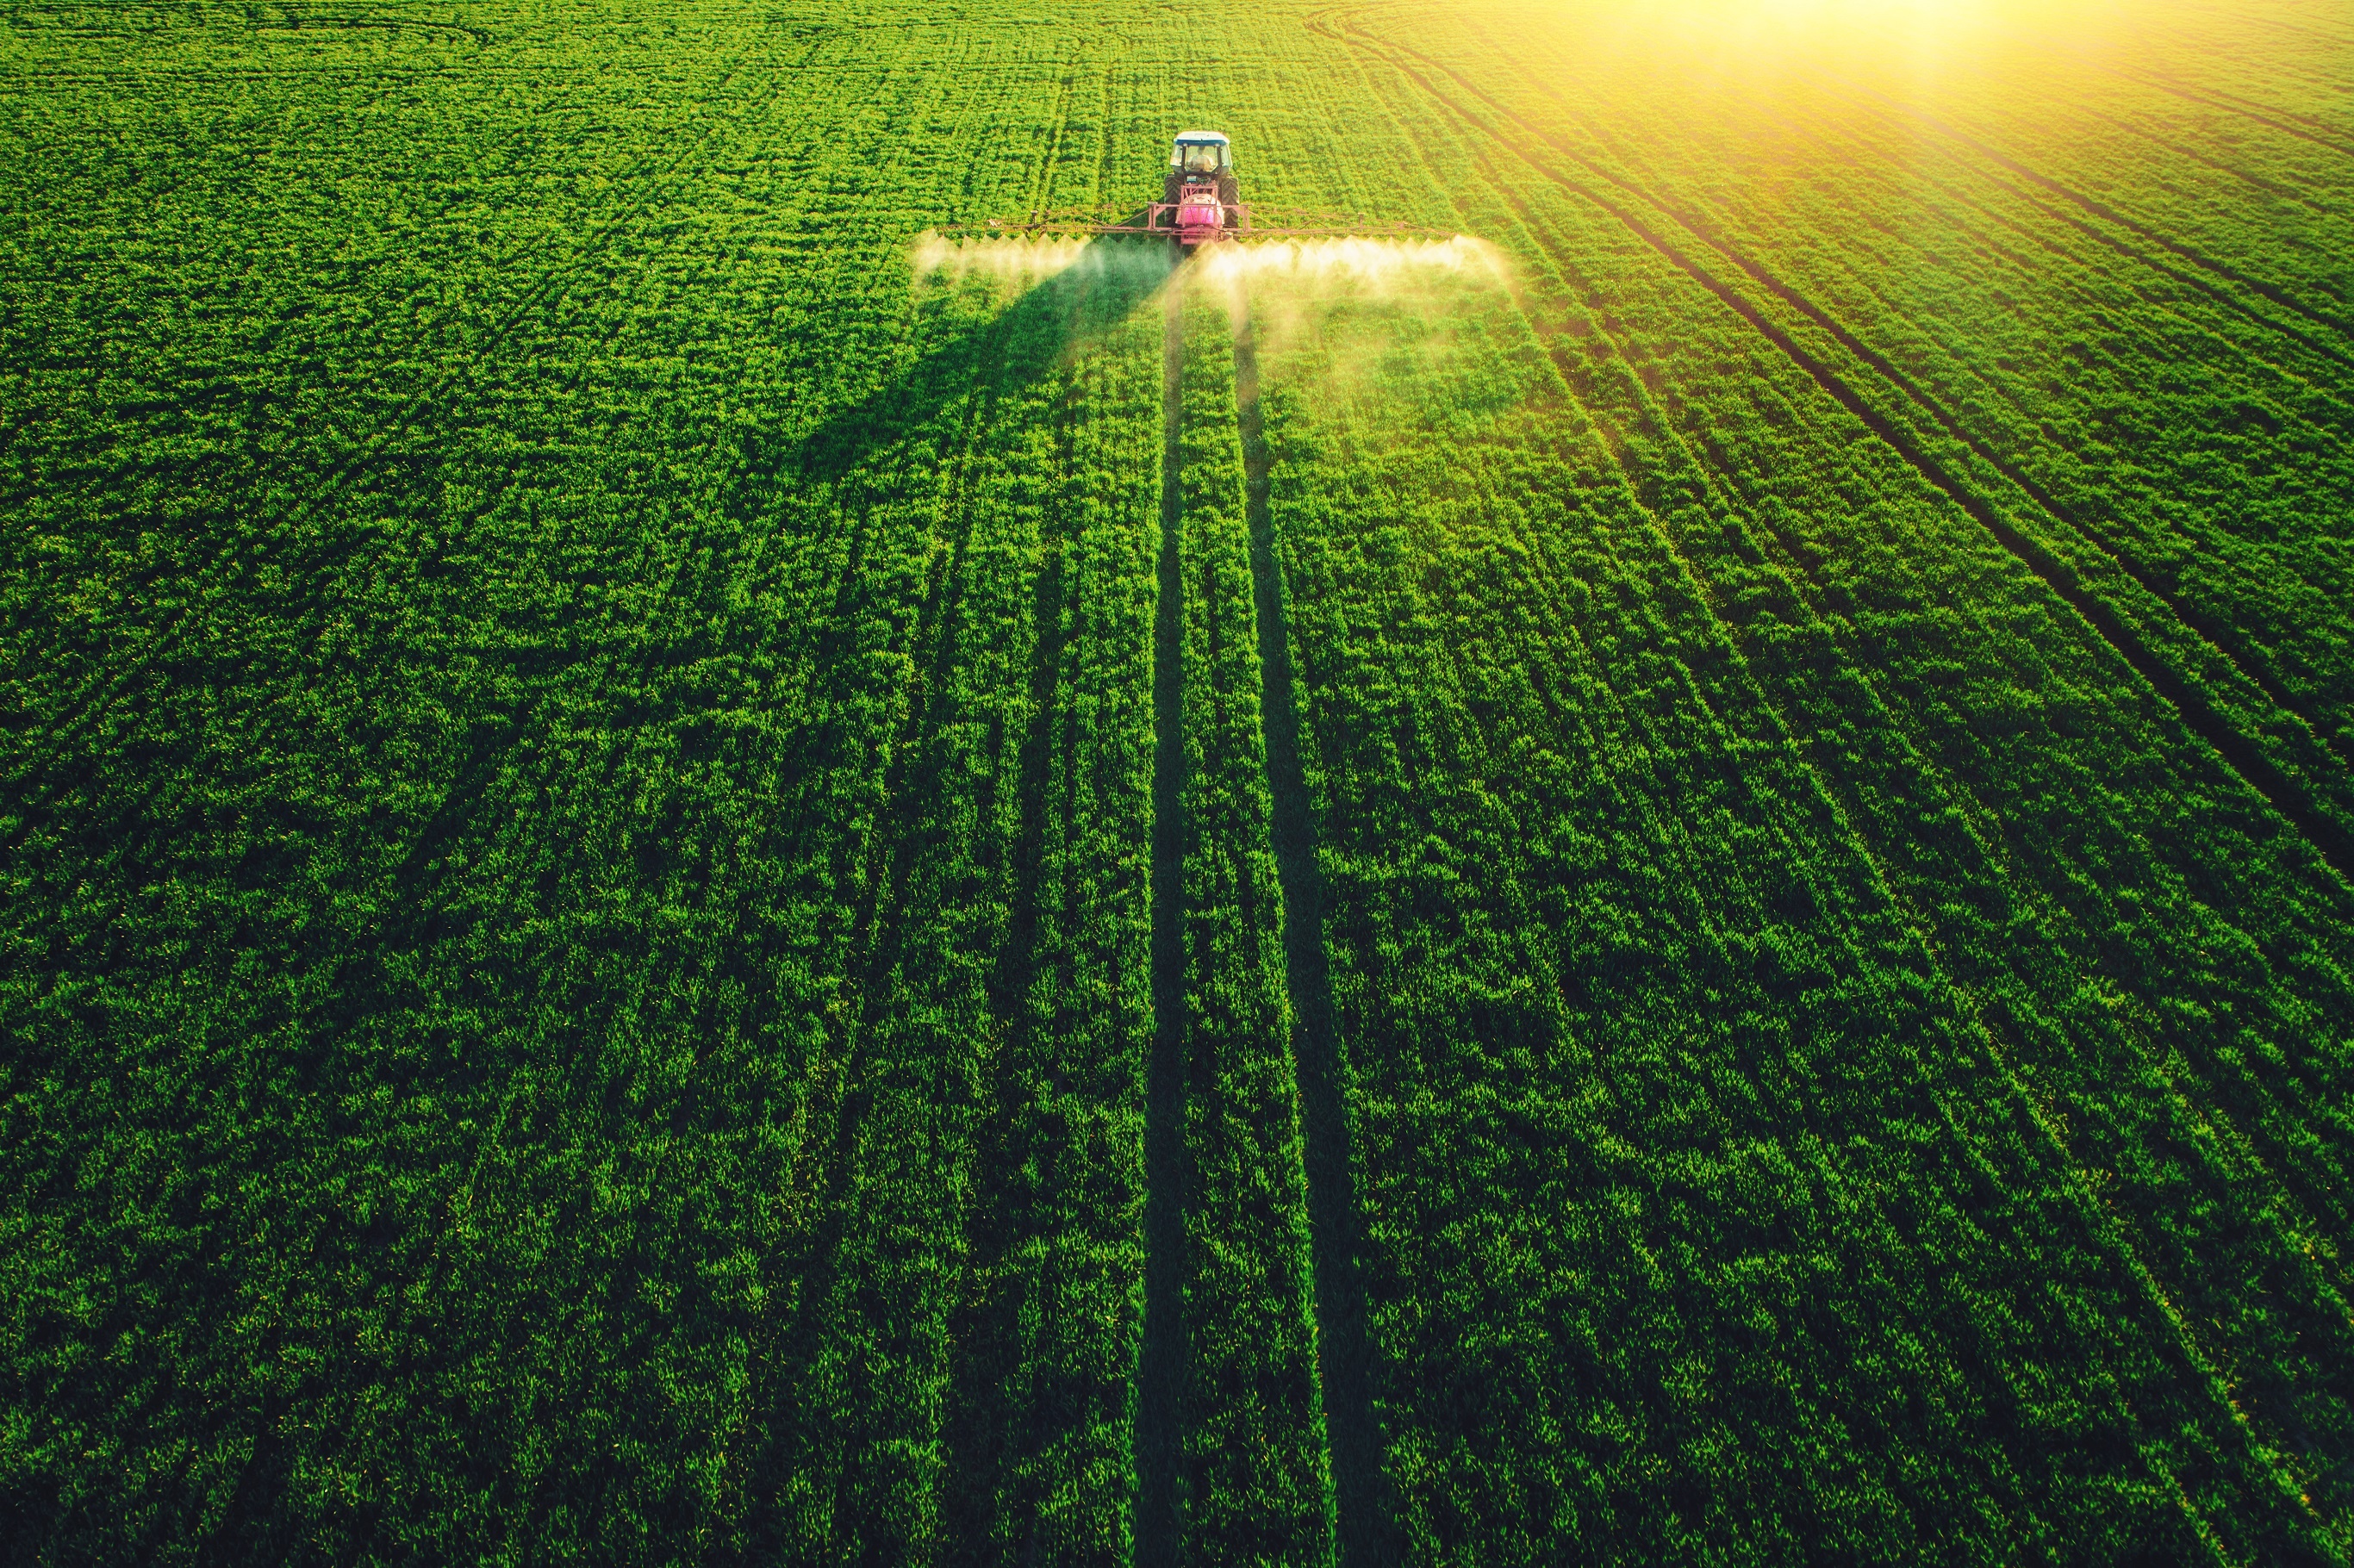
x=2171 y=428
x=583 y=925
x=1929 y=745
x=521 y=985
x=1677 y=1137
x=1256 y=1487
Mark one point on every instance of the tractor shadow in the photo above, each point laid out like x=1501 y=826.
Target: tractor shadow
x=551 y=669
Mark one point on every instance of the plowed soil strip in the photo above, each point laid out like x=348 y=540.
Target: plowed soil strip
x=1161 y=1358
x=1362 y=1531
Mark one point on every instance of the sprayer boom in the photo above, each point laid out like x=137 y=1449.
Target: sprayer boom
x=1201 y=203
x=1170 y=220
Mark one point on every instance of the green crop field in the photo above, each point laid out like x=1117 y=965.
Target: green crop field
x=1653 y=864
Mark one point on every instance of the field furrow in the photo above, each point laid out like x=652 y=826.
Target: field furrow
x=1382 y=775
x=707 y=857
x=2276 y=752
x=1257 y=1483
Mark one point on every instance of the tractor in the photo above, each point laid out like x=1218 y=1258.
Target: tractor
x=1201 y=203
x=1201 y=199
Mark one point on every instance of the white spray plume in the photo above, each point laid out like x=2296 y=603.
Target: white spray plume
x=1376 y=263
x=1031 y=259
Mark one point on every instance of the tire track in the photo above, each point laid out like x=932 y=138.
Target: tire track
x=2331 y=840
x=2113 y=1231
x=2240 y=307
x=462 y=802
x=2190 y=154
x=1003 y=1408
x=2100 y=209
x=986 y=1427
x=805 y=1263
x=2090 y=205
x=2231 y=103
x=2199 y=286
x=2222 y=639
x=1163 y=1353
x=491 y=738
x=1363 y=1530
x=2265 y=1153
x=2340 y=39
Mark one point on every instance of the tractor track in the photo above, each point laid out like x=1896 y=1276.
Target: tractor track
x=490 y=739
x=2341 y=40
x=2181 y=38
x=2221 y=638
x=979 y=1411
x=2206 y=1361
x=459 y=804
x=814 y=660
x=2192 y=155
x=2280 y=119
x=1978 y=219
x=2089 y=205
x=2094 y=207
x=2292 y=1190
x=2330 y=839
x=2205 y=288
x=986 y=1429
x=804 y=1265
x=1163 y=1357
x=2113 y=1233
x=1363 y=1530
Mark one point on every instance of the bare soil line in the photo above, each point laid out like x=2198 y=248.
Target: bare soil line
x=2102 y=210
x=1363 y=1530
x=1162 y=1352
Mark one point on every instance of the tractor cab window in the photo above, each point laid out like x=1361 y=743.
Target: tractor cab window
x=1199 y=157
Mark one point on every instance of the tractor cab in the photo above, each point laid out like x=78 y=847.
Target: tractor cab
x=1200 y=204
x=1201 y=156
x=1201 y=199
